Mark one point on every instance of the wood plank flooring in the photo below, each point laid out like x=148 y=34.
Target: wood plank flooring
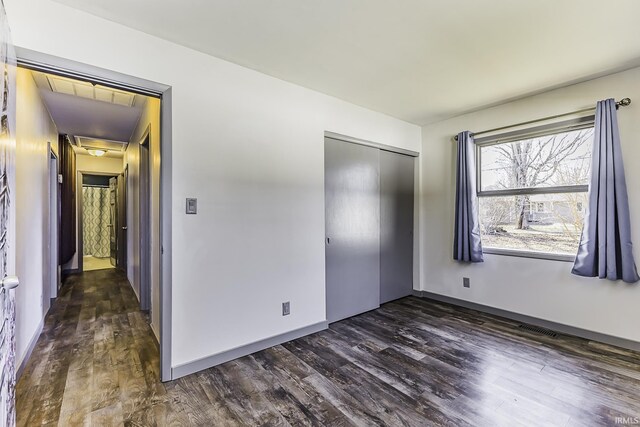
x=411 y=362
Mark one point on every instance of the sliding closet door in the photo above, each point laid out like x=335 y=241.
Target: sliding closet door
x=352 y=209
x=396 y=226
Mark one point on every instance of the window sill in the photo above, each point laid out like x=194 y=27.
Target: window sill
x=530 y=254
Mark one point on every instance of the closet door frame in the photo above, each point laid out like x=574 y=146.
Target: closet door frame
x=379 y=146
x=384 y=147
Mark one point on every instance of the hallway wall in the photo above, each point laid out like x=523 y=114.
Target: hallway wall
x=150 y=119
x=250 y=148
x=34 y=130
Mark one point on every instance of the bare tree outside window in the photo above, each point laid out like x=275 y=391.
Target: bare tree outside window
x=534 y=220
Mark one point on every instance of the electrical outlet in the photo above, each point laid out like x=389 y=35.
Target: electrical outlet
x=466 y=282
x=286 y=308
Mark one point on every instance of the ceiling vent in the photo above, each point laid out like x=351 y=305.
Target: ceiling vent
x=100 y=144
x=90 y=91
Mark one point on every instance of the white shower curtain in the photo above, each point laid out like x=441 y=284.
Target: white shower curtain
x=96 y=218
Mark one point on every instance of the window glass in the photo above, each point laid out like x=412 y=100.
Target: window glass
x=554 y=160
x=508 y=222
x=533 y=192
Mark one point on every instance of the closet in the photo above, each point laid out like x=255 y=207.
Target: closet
x=369 y=196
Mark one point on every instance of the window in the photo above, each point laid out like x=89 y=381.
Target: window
x=532 y=188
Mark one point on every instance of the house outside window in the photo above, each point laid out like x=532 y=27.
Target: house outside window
x=532 y=186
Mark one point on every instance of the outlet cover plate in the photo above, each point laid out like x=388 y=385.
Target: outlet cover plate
x=286 y=308
x=466 y=282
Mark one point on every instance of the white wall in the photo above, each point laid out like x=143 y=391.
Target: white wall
x=538 y=288
x=99 y=165
x=34 y=130
x=91 y=164
x=149 y=120
x=250 y=148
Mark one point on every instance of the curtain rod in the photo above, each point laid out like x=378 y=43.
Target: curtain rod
x=622 y=103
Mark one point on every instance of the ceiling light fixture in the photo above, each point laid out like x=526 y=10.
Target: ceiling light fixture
x=97 y=153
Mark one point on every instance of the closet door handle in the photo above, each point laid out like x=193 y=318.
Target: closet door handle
x=328 y=240
x=125 y=228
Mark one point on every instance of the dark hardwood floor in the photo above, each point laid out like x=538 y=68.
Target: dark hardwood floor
x=411 y=362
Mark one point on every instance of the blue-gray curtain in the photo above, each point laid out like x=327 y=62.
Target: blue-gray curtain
x=467 y=244
x=605 y=249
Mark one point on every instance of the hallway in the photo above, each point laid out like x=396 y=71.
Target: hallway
x=96 y=359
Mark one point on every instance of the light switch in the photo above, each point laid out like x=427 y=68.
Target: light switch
x=192 y=206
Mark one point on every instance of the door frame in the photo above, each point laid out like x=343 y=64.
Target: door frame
x=416 y=201
x=122 y=234
x=68 y=68
x=358 y=141
x=53 y=260
x=144 y=219
x=80 y=210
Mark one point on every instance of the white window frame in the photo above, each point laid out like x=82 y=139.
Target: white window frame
x=579 y=123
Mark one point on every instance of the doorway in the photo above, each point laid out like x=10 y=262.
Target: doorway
x=98 y=221
x=160 y=234
x=52 y=281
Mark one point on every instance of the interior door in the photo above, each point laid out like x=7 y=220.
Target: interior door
x=145 y=226
x=396 y=225
x=352 y=223
x=54 y=226
x=121 y=205
x=113 y=215
x=7 y=224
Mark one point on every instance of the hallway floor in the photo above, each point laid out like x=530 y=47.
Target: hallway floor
x=90 y=263
x=96 y=359
x=411 y=362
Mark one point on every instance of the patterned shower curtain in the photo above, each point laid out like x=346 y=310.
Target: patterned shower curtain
x=96 y=218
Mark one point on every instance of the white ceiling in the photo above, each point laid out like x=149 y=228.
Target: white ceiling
x=82 y=115
x=418 y=60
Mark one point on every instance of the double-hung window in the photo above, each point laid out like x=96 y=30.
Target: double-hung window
x=532 y=187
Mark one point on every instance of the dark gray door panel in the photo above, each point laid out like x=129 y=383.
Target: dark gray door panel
x=352 y=209
x=396 y=225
